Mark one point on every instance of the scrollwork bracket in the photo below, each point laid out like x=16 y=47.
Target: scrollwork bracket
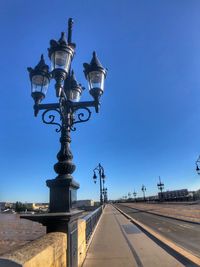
x=50 y=119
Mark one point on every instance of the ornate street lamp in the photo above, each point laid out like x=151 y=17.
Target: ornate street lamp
x=160 y=186
x=134 y=194
x=143 y=190
x=197 y=165
x=68 y=91
x=102 y=177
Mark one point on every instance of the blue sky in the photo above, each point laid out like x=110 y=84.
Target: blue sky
x=149 y=122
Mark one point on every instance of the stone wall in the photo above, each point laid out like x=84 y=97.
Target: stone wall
x=47 y=251
x=81 y=241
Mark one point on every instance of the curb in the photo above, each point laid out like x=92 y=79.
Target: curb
x=182 y=252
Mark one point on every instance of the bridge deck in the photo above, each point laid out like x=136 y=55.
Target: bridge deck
x=117 y=242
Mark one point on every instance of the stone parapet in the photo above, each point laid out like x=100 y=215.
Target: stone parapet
x=81 y=241
x=47 y=251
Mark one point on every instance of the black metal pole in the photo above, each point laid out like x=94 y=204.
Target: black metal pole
x=144 y=195
x=100 y=177
x=63 y=186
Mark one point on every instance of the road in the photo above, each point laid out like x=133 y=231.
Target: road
x=186 y=235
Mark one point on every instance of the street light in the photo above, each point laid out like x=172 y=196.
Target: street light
x=102 y=177
x=68 y=91
x=105 y=194
x=160 y=186
x=143 y=190
x=197 y=165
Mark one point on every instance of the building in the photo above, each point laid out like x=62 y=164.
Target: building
x=181 y=194
x=37 y=206
x=84 y=203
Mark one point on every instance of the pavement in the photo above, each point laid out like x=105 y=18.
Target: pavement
x=119 y=243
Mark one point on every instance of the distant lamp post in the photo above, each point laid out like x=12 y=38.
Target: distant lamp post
x=160 y=186
x=102 y=177
x=143 y=190
x=129 y=195
x=134 y=194
x=197 y=165
x=105 y=195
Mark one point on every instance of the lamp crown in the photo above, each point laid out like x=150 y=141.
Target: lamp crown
x=40 y=68
x=95 y=61
x=94 y=65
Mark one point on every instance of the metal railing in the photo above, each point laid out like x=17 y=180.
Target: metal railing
x=91 y=221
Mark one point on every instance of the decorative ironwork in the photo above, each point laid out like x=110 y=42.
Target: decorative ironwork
x=51 y=118
x=81 y=117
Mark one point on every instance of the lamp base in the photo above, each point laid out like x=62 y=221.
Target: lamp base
x=63 y=194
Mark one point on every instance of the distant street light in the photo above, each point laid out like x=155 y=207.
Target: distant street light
x=143 y=190
x=102 y=177
x=134 y=194
x=105 y=194
x=160 y=186
x=129 y=195
x=197 y=165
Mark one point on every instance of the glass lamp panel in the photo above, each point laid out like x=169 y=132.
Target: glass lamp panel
x=74 y=95
x=96 y=80
x=40 y=83
x=60 y=60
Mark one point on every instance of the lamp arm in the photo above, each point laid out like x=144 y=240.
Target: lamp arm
x=85 y=104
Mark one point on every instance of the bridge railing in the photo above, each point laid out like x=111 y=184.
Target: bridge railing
x=91 y=221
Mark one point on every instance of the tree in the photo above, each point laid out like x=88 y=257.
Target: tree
x=19 y=207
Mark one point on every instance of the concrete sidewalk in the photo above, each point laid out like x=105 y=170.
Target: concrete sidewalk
x=119 y=243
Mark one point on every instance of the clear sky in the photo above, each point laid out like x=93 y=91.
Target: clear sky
x=149 y=122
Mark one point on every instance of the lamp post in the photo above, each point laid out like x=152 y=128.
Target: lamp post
x=68 y=108
x=102 y=177
x=160 y=186
x=143 y=190
x=105 y=194
x=197 y=165
x=134 y=194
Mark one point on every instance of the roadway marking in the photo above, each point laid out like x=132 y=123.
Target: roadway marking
x=186 y=226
